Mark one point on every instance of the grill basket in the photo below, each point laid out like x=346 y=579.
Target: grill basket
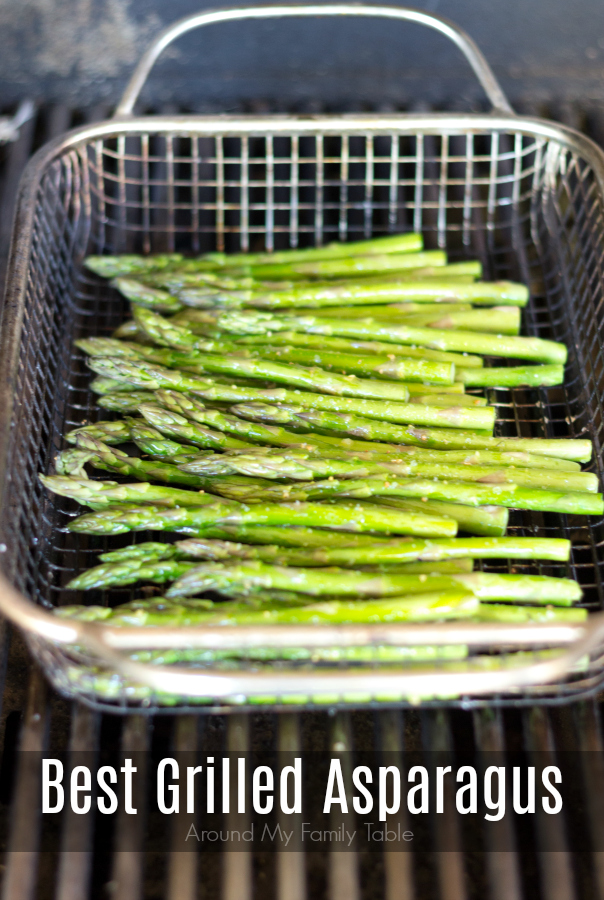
x=524 y=196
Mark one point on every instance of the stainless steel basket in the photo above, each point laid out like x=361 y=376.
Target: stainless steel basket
x=524 y=195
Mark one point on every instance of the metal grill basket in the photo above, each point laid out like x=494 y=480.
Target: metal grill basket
x=523 y=195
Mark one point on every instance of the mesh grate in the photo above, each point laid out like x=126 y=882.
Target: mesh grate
x=528 y=207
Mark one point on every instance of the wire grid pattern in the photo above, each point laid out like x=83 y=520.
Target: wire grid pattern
x=527 y=208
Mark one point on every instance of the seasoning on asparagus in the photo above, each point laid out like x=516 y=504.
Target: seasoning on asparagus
x=536 y=349
x=147 y=376
x=436 y=438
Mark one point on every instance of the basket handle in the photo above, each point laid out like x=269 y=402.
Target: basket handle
x=481 y=68
x=110 y=646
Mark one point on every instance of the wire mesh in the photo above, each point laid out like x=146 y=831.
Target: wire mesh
x=529 y=207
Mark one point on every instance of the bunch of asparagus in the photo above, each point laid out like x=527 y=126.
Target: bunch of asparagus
x=301 y=417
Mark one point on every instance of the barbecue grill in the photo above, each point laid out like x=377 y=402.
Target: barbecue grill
x=448 y=214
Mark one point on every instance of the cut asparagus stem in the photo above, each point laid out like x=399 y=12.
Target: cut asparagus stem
x=194 y=520
x=482 y=520
x=512 y=496
x=435 y=438
x=514 y=376
x=145 y=375
x=375 y=452
x=535 y=349
x=447 y=401
x=516 y=615
x=496 y=320
x=301 y=465
x=343 y=345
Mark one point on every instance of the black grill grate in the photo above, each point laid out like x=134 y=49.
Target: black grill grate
x=35 y=718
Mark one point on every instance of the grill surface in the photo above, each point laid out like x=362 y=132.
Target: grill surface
x=35 y=718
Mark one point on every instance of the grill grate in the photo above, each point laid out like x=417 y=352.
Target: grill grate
x=35 y=718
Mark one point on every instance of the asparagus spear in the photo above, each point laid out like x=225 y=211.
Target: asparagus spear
x=366 y=292
x=424 y=607
x=111 y=266
x=219 y=463
x=124 y=401
x=345 y=549
x=117 y=432
x=195 y=410
x=267 y=434
x=341 y=582
x=399 y=368
x=156 y=571
x=513 y=376
x=154 y=443
x=144 y=375
x=351 y=345
x=511 y=495
x=516 y=615
x=102 y=456
x=193 y=520
x=109 y=386
x=193 y=362
x=244 y=291
x=150 y=297
x=380 y=653
x=535 y=349
x=175 y=280
x=496 y=320
x=110 y=493
x=172 y=424
x=343 y=267
x=361 y=549
x=131 y=350
x=217 y=550
x=301 y=465
x=435 y=438
x=162 y=571
x=164 y=332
